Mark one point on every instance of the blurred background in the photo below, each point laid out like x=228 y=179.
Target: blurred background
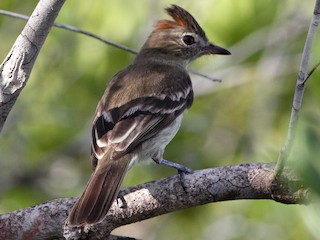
x=45 y=144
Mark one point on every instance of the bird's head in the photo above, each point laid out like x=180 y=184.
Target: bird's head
x=181 y=37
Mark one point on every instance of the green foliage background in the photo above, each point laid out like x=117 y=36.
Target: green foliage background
x=44 y=147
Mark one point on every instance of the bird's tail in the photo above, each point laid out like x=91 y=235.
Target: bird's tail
x=100 y=192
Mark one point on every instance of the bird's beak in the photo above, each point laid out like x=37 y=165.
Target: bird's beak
x=214 y=49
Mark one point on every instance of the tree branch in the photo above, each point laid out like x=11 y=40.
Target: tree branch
x=17 y=66
x=246 y=181
x=298 y=94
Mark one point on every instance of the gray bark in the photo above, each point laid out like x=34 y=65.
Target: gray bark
x=17 y=66
x=246 y=181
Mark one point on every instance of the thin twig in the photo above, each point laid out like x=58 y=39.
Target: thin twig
x=298 y=95
x=312 y=71
x=205 y=76
x=72 y=29
x=116 y=45
x=77 y=30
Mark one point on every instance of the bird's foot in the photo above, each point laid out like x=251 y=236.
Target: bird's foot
x=123 y=203
x=182 y=170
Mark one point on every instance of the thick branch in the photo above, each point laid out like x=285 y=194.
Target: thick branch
x=298 y=94
x=246 y=181
x=16 y=67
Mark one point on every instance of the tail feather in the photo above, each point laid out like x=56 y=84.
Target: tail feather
x=109 y=191
x=100 y=192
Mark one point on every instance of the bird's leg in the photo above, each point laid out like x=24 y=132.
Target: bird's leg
x=182 y=170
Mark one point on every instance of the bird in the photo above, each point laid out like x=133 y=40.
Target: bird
x=141 y=111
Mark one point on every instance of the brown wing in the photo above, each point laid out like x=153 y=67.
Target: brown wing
x=128 y=126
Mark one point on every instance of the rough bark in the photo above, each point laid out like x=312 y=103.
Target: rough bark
x=246 y=181
x=17 y=66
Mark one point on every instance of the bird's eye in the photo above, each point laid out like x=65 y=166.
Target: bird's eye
x=188 y=39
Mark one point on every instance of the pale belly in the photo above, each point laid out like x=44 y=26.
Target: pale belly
x=154 y=147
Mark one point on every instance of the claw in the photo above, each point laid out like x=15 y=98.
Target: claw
x=182 y=179
x=123 y=201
